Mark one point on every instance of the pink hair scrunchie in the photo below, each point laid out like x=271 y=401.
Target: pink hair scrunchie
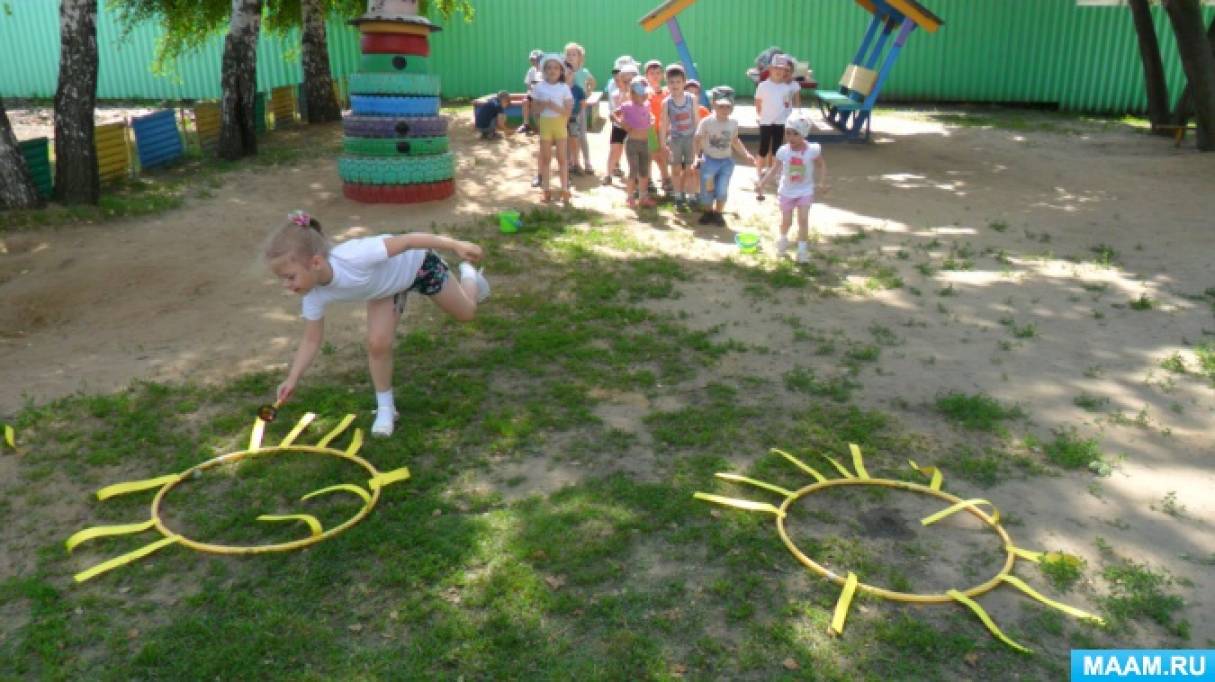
x=300 y=218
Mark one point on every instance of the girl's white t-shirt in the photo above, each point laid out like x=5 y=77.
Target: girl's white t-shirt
x=797 y=170
x=363 y=271
x=557 y=93
x=777 y=101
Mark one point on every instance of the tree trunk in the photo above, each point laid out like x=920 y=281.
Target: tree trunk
x=320 y=102
x=1185 y=104
x=76 y=176
x=16 y=186
x=237 y=134
x=1199 y=65
x=1153 y=68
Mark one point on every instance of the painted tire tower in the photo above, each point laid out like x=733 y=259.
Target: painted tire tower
x=395 y=146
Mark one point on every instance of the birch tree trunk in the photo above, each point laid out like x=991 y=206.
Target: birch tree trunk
x=237 y=134
x=76 y=175
x=320 y=101
x=1199 y=65
x=16 y=186
x=1153 y=68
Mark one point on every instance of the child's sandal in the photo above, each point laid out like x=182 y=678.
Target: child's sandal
x=565 y=197
x=548 y=196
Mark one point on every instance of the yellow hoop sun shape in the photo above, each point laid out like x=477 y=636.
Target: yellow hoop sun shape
x=370 y=496
x=851 y=584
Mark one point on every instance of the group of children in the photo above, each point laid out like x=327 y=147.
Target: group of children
x=651 y=125
x=665 y=127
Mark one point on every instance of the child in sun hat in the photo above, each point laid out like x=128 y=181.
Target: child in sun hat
x=553 y=101
x=623 y=73
x=530 y=79
x=635 y=118
x=775 y=99
x=717 y=138
x=803 y=170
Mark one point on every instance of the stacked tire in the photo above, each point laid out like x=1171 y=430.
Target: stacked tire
x=395 y=147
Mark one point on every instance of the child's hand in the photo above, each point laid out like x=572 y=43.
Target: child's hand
x=468 y=251
x=285 y=390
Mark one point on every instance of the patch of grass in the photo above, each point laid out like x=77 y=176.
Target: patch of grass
x=883 y=335
x=858 y=353
x=998 y=225
x=1090 y=402
x=978 y=412
x=982 y=468
x=1137 y=591
x=1070 y=451
x=1144 y=302
x=1104 y=255
x=1063 y=570
x=1169 y=505
x=804 y=380
x=1174 y=363
x=1205 y=352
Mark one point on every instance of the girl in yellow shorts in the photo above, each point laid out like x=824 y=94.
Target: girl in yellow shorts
x=554 y=101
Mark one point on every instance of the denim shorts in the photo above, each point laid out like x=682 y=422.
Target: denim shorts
x=719 y=170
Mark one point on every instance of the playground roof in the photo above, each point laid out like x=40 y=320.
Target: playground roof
x=910 y=9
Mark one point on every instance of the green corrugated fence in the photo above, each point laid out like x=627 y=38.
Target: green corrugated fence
x=1030 y=51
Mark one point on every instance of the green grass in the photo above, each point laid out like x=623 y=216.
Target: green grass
x=1070 y=451
x=1090 y=402
x=1144 y=302
x=1174 y=363
x=977 y=412
x=1205 y=352
x=1063 y=570
x=538 y=538
x=1139 y=592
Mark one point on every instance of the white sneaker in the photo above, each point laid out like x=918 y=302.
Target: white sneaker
x=482 y=286
x=782 y=245
x=385 y=423
x=803 y=252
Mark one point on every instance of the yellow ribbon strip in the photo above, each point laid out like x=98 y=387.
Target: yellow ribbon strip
x=348 y=487
x=125 y=559
x=356 y=442
x=313 y=524
x=1069 y=610
x=858 y=462
x=955 y=508
x=841 y=606
x=800 y=465
x=10 y=437
x=337 y=431
x=735 y=478
x=388 y=478
x=135 y=486
x=106 y=531
x=255 y=436
x=1027 y=554
x=932 y=471
x=839 y=467
x=991 y=625
x=299 y=428
x=748 y=505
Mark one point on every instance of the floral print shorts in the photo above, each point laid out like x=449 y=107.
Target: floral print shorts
x=428 y=282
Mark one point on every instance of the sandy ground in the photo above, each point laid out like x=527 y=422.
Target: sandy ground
x=183 y=296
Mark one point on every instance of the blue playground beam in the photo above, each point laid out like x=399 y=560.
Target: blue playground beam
x=685 y=56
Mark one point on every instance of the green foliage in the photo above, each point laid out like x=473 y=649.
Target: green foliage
x=1070 y=451
x=978 y=412
x=187 y=24
x=1063 y=570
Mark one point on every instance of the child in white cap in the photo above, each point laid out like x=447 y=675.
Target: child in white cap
x=803 y=170
x=530 y=79
x=623 y=73
x=717 y=137
x=775 y=99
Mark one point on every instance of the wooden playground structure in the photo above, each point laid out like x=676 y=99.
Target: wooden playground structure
x=848 y=109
